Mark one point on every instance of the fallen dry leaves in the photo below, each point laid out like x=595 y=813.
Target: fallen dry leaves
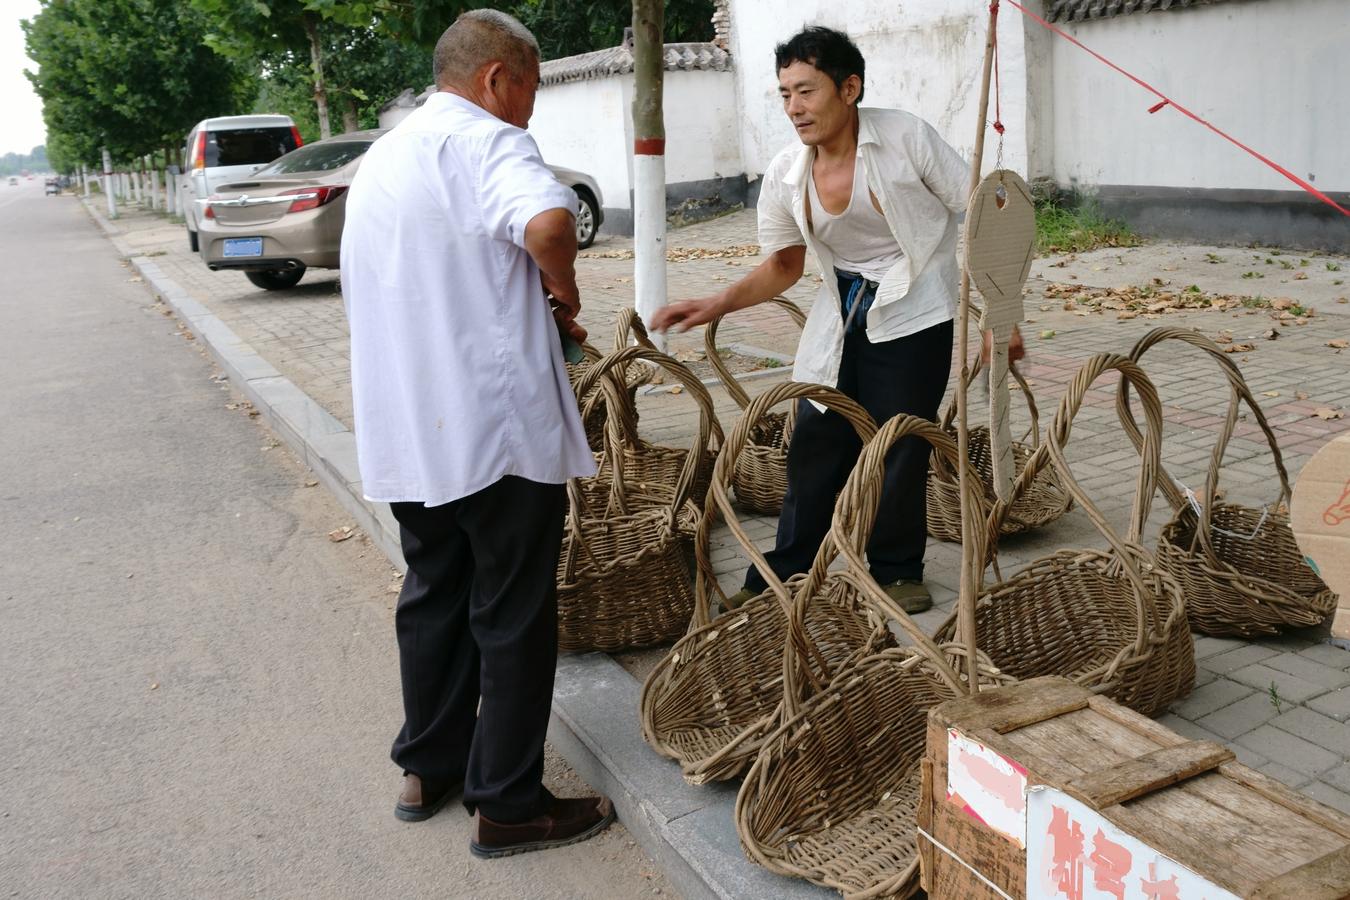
x=1338 y=344
x=341 y=534
x=1326 y=413
x=680 y=254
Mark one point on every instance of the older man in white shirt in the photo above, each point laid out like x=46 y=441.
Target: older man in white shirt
x=874 y=194
x=457 y=274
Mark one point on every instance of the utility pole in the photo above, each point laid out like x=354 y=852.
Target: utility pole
x=649 y=162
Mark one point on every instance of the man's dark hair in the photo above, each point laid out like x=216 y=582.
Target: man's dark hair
x=828 y=50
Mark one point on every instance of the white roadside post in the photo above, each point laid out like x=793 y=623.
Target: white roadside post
x=136 y=193
x=649 y=163
x=84 y=179
x=108 y=184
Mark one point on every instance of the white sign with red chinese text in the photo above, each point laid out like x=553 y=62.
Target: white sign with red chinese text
x=1073 y=853
x=988 y=786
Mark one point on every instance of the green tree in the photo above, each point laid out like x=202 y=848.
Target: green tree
x=569 y=27
x=272 y=29
x=132 y=75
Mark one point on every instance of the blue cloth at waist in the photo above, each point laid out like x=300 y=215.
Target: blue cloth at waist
x=856 y=294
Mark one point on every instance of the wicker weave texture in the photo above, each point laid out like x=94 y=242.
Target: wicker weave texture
x=760 y=478
x=1107 y=620
x=833 y=794
x=710 y=702
x=623 y=575
x=1239 y=568
x=1043 y=501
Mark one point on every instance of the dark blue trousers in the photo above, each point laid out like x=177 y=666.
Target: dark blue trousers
x=906 y=375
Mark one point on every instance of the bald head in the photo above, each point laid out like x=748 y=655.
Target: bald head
x=480 y=37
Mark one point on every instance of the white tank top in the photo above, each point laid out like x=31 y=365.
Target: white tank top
x=859 y=237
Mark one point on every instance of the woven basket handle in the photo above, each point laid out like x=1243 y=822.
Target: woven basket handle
x=1204 y=531
x=1241 y=393
x=715 y=359
x=851 y=528
x=1033 y=432
x=1129 y=554
x=719 y=501
x=616 y=435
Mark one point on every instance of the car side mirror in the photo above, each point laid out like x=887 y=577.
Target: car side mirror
x=174 y=170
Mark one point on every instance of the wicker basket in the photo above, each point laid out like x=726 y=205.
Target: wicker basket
x=710 y=702
x=760 y=479
x=1108 y=620
x=623 y=575
x=1044 y=500
x=651 y=468
x=1240 y=568
x=593 y=412
x=833 y=795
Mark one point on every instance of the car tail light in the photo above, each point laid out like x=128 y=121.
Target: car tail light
x=314 y=197
x=199 y=152
x=295 y=133
x=210 y=213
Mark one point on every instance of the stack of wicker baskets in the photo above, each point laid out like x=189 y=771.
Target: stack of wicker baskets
x=1240 y=568
x=760 y=478
x=1043 y=501
x=833 y=794
x=1109 y=620
x=623 y=576
x=710 y=702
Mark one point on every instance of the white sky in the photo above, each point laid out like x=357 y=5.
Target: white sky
x=21 y=127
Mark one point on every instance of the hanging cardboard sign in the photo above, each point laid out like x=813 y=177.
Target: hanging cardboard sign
x=1000 y=244
x=1320 y=517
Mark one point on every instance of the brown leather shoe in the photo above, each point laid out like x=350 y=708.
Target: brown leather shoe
x=565 y=822
x=418 y=802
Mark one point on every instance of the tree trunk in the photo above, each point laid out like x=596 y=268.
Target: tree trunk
x=349 y=120
x=108 y=184
x=649 y=161
x=316 y=62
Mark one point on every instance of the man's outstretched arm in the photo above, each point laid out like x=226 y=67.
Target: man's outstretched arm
x=767 y=280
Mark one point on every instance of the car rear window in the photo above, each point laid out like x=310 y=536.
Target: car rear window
x=321 y=157
x=247 y=146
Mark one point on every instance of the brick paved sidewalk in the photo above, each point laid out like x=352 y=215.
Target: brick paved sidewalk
x=1282 y=704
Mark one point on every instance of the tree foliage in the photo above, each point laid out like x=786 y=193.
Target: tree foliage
x=133 y=75
x=569 y=27
x=16 y=163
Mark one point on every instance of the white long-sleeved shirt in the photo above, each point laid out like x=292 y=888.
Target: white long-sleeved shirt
x=457 y=368
x=921 y=184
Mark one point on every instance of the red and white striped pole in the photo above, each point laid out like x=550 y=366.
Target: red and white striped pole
x=649 y=162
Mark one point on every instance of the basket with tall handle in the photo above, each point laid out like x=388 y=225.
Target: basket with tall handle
x=623 y=575
x=1240 y=568
x=711 y=700
x=1043 y=501
x=760 y=478
x=655 y=467
x=1110 y=620
x=833 y=795
x=593 y=412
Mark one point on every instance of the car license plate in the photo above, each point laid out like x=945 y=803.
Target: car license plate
x=235 y=247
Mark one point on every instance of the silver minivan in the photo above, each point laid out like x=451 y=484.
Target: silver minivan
x=224 y=149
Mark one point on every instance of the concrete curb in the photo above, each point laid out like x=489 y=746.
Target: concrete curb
x=689 y=831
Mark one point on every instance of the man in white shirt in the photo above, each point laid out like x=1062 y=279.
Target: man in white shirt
x=874 y=194
x=466 y=425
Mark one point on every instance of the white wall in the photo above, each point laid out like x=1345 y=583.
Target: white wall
x=923 y=57
x=1274 y=75
x=587 y=126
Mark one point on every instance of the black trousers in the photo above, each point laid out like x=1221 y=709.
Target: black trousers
x=477 y=625
x=906 y=375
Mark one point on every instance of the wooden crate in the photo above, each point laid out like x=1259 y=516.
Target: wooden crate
x=1114 y=805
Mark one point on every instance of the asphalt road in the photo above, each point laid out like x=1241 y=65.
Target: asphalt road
x=197 y=687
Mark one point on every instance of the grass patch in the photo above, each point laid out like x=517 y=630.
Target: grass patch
x=1077 y=227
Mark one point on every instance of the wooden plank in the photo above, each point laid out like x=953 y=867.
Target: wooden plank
x=1325 y=878
x=1014 y=707
x=1278 y=792
x=1145 y=774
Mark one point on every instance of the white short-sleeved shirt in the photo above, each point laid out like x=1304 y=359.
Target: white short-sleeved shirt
x=921 y=184
x=457 y=368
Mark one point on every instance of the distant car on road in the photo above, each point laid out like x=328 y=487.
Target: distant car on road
x=13 y=180
x=51 y=186
x=225 y=149
x=288 y=216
